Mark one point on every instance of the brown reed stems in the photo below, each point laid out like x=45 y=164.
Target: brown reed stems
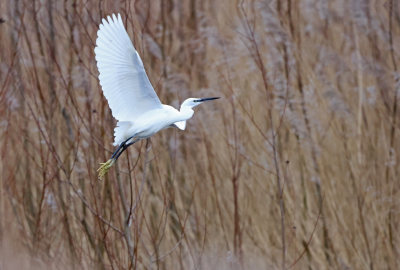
x=295 y=167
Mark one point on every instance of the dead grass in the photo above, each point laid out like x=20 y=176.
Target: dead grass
x=296 y=166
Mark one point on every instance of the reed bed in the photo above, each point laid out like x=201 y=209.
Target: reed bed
x=295 y=167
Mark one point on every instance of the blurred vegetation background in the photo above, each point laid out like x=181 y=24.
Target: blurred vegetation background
x=295 y=166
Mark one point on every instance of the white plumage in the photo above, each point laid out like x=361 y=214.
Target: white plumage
x=122 y=75
x=130 y=95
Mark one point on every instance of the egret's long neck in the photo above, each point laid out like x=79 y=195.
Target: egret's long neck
x=185 y=113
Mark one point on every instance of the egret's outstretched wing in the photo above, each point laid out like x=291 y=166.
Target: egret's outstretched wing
x=122 y=75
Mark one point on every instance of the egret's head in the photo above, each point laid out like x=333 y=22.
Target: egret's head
x=193 y=102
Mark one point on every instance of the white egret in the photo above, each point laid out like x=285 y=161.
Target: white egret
x=132 y=99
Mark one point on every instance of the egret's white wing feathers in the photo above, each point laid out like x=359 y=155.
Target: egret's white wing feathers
x=122 y=75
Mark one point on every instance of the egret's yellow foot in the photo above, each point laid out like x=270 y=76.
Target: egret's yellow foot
x=105 y=167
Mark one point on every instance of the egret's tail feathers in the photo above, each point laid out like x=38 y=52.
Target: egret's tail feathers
x=181 y=125
x=120 y=130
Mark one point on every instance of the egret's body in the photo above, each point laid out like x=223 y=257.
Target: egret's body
x=149 y=123
x=131 y=97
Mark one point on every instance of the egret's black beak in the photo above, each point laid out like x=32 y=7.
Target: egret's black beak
x=206 y=99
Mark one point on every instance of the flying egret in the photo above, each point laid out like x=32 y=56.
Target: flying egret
x=132 y=99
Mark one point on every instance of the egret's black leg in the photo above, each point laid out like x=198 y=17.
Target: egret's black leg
x=124 y=148
x=120 y=146
x=116 y=151
x=105 y=167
